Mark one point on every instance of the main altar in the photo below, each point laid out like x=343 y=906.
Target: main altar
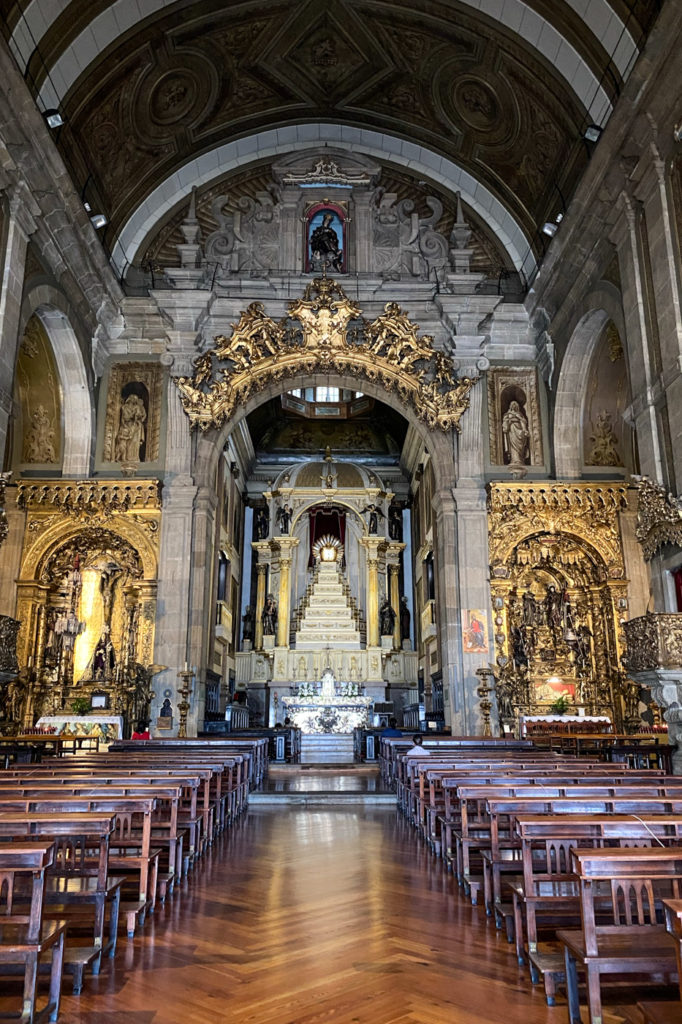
x=329 y=708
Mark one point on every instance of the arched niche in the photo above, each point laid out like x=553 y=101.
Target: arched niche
x=602 y=306
x=49 y=307
x=37 y=427
x=607 y=438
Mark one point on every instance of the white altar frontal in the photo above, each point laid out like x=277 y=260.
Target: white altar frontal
x=334 y=709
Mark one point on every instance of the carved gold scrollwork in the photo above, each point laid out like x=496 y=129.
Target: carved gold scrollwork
x=659 y=517
x=83 y=499
x=654 y=641
x=324 y=331
x=4 y=528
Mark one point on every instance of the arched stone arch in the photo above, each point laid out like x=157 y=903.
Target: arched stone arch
x=52 y=309
x=601 y=305
x=441 y=445
x=313 y=502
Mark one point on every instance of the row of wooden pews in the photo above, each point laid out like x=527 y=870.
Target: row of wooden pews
x=93 y=843
x=580 y=862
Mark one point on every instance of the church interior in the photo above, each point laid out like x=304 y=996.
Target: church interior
x=339 y=346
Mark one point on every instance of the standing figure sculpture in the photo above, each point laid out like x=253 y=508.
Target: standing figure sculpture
x=395 y=523
x=386 y=618
x=404 y=619
x=516 y=435
x=262 y=524
x=130 y=436
x=247 y=627
x=374 y=513
x=269 y=616
x=324 y=245
x=284 y=514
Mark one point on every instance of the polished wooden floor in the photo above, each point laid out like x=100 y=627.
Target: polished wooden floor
x=303 y=916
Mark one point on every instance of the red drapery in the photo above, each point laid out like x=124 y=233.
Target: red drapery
x=326 y=521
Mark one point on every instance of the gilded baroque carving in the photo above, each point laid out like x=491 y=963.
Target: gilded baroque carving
x=132 y=421
x=659 y=517
x=9 y=629
x=83 y=499
x=559 y=594
x=4 y=528
x=324 y=332
x=514 y=421
x=653 y=641
x=39 y=441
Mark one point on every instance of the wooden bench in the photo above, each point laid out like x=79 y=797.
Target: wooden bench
x=634 y=883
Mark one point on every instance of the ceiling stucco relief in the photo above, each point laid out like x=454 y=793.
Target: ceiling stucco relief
x=186 y=85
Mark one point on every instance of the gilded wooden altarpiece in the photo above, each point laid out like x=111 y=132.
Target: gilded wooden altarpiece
x=126 y=382
x=86 y=595
x=507 y=385
x=559 y=595
x=325 y=332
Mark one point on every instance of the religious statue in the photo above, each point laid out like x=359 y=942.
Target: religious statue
x=519 y=648
x=262 y=523
x=530 y=609
x=269 y=616
x=248 y=623
x=106 y=585
x=374 y=513
x=166 y=709
x=504 y=694
x=130 y=435
x=404 y=619
x=103 y=658
x=324 y=245
x=516 y=435
x=604 y=451
x=39 y=446
x=395 y=523
x=554 y=605
x=284 y=514
x=15 y=697
x=387 y=618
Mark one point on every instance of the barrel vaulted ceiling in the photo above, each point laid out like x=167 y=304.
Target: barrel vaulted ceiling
x=488 y=97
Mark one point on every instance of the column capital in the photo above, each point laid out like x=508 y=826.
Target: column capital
x=23 y=208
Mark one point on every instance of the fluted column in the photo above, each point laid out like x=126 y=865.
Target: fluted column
x=286 y=546
x=261 y=570
x=371 y=546
x=22 y=209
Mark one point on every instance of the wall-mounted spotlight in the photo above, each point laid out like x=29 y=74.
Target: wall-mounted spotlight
x=592 y=133
x=98 y=220
x=549 y=228
x=53 y=118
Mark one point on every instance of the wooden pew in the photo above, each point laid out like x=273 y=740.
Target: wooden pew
x=24 y=936
x=634 y=883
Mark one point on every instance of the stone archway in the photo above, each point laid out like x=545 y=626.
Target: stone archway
x=51 y=308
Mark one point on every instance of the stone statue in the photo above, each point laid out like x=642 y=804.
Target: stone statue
x=269 y=616
x=39 y=446
x=130 y=436
x=404 y=619
x=374 y=513
x=324 y=245
x=516 y=435
x=248 y=623
x=395 y=523
x=530 y=609
x=284 y=514
x=604 y=451
x=262 y=523
x=386 y=618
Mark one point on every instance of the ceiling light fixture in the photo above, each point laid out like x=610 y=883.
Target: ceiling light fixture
x=548 y=228
x=53 y=118
x=592 y=133
x=98 y=220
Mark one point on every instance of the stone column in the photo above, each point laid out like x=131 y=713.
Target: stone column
x=286 y=546
x=371 y=545
x=625 y=237
x=448 y=607
x=175 y=559
x=22 y=210
x=394 y=574
x=201 y=610
x=654 y=191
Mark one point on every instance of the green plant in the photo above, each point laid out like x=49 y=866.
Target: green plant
x=560 y=706
x=80 y=705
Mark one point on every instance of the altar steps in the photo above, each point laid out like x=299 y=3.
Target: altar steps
x=327 y=785
x=327 y=748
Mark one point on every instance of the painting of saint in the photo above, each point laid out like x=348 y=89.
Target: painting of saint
x=474 y=631
x=549 y=690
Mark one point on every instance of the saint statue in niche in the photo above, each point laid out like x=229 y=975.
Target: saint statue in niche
x=516 y=435
x=269 y=616
x=387 y=618
x=131 y=431
x=324 y=246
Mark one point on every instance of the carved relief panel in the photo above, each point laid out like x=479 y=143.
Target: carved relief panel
x=607 y=437
x=514 y=420
x=133 y=413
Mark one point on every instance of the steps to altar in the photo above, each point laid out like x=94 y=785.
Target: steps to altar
x=326 y=785
x=327 y=748
x=327 y=616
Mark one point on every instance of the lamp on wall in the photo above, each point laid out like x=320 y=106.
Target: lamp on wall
x=53 y=118
x=592 y=133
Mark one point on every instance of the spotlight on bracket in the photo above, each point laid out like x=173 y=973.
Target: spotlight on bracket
x=592 y=133
x=549 y=228
x=53 y=118
x=98 y=220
